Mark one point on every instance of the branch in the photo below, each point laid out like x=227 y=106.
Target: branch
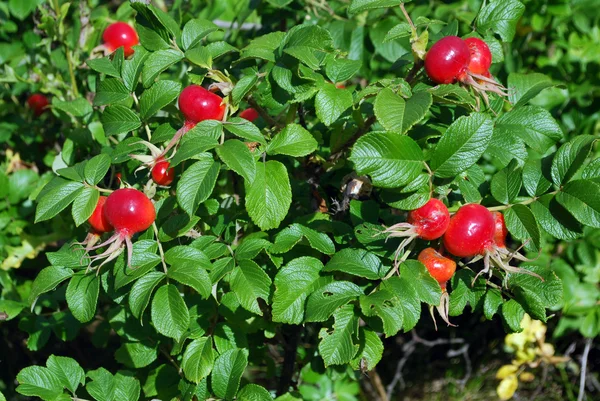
x=270 y=120
x=584 y=361
x=289 y=358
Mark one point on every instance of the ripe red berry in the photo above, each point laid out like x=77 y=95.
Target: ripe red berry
x=447 y=60
x=481 y=57
x=500 y=230
x=430 y=220
x=162 y=174
x=198 y=104
x=440 y=267
x=120 y=34
x=471 y=231
x=249 y=114
x=129 y=211
x=98 y=220
x=38 y=103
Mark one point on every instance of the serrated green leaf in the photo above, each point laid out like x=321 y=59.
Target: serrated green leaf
x=198 y=359
x=84 y=205
x=79 y=107
x=501 y=16
x=192 y=275
x=570 y=157
x=236 y=155
x=141 y=292
x=118 y=119
x=136 y=355
x=323 y=302
x=293 y=140
x=534 y=180
x=67 y=370
x=200 y=55
x=196 y=183
x=337 y=348
x=462 y=145
x=555 y=219
x=524 y=87
x=170 y=314
x=389 y=108
x=47 y=280
x=158 y=96
x=582 y=199
x=37 y=381
x=158 y=62
x=341 y=69
x=104 y=66
x=492 y=302
x=506 y=183
x=390 y=159
x=357 y=6
x=358 y=262
x=103 y=384
x=521 y=223
x=331 y=102
x=242 y=87
x=512 y=314
x=293 y=284
x=57 y=199
x=195 y=30
x=82 y=295
x=370 y=350
x=534 y=125
x=250 y=282
x=109 y=91
x=227 y=372
x=132 y=68
x=127 y=388
x=96 y=168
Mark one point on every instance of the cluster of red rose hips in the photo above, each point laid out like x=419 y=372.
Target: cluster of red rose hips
x=472 y=232
x=468 y=61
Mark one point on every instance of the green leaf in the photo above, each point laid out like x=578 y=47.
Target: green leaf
x=141 y=292
x=161 y=94
x=193 y=276
x=534 y=180
x=37 y=381
x=512 y=314
x=590 y=327
x=492 y=302
x=506 y=183
x=236 y=155
x=170 y=315
x=278 y=4
x=357 y=6
x=425 y=286
x=195 y=30
x=370 y=350
x=227 y=372
x=198 y=359
x=524 y=87
x=244 y=129
x=263 y=47
x=196 y=183
x=293 y=283
x=294 y=141
x=82 y=296
x=242 y=87
x=269 y=196
x=47 y=280
x=67 y=370
x=250 y=282
x=402 y=30
x=21 y=9
x=582 y=199
x=570 y=157
x=341 y=69
x=84 y=205
x=11 y=308
x=158 y=62
x=555 y=219
x=319 y=241
x=501 y=16
x=331 y=102
x=193 y=148
x=187 y=254
x=132 y=68
x=323 y=302
x=57 y=199
x=254 y=392
x=417 y=107
x=118 y=119
x=358 y=262
x=462 y=145
x=337 y=348
x=521 y=223
x=109 y=91
x=534 y=125
x=79 y=107
x=389 y=108
x=103 y=385
x=127 y=388
x=150 y=39
x=390 y=159
x=96 y=168
x=104 y=66
x=200 y=55
x=136 y=355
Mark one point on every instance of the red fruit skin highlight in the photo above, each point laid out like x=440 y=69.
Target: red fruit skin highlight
x=98 y=220
x=470 y=232
x=430 y=220
x=481 y=56
x=249 y=114
x=129 y=211
x=500 y=230
x=447 y=60
x=440 y=267
x=38 y=103
x=120 y=34
x=162 y=174
x=198 y=104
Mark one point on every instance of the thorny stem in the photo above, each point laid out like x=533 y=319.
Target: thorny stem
x=160 y=248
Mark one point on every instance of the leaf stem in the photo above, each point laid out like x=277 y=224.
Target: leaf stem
x=160 y=248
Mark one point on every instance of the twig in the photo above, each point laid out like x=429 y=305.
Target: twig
x=412 y=74
x=584 y=361
x=378 y=385
x=289 y=359
x=270 y=120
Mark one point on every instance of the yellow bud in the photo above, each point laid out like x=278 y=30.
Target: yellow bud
x=507 y=387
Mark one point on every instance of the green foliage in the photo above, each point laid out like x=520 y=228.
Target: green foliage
x=268 y=249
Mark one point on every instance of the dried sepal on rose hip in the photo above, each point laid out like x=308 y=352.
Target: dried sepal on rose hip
x=99 y=225
x=441 y=269
x=429 y=222
x=160 y=169
x=452 y=59
x=129 y=211
x=472 y=233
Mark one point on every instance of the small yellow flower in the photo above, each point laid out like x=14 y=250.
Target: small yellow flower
x=507 y=387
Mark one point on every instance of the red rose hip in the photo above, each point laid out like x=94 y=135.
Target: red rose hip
x=481 y=57
x=120 y=34
x=38 y=103
x=98 y=220
x=440 y=267
x=162 y=173
x=198 y=104
x=470 y=232
x=447 y=60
